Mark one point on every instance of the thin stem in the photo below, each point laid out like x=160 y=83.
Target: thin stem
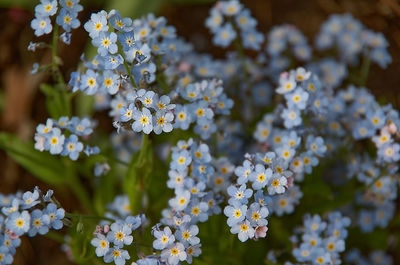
x=80 y=192
x=54 y=58
x=55 y=236
x=128 y=70
x=366 y=65
x=72 y=215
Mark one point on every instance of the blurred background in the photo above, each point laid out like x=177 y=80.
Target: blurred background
x=22 y=106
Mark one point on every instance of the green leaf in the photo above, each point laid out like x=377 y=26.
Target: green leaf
x=138 y=169
x=42 y=165
x=57 y=100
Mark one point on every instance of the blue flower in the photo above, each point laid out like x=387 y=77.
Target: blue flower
x=244 y=230
x=97 y=24
x=111 y=62
x=381 y=56
x=55 y=141
x=197 y=210
x=243 y=172
x=181 y=200
x=186 y=234
x=118 y=255
x=127 y=40
x=201 y=112
x=101 y=169
x=143 y=121
x=148 y=261
x=286 y=84
x=71 y=5
x=90 y=82
x=101 y=244
x=245 y=21
x=110 y=82
x=39 y=223
x=30 y=199
x=163 y=238
x=257 y=214
x=119 y=23
x=235 y=213
x=297 y=99
x=201 y=153
x=72 y=147
x=120 y=234
x=162 y=122
x=224 y=35
x=146 y=97
x=314 y=224
x=224 y=104
x=41 y=25
x=106 y=43
x=260 y=177
x=316 y=145
x=5 y=257
x=18 y=223
x=231 y=7
x=240 y=194
x=252 y=39
x=277 y=184
x=291 y=118
x=67 y=20
x=174 y=253
x=215 y=20
x=389 y=152
x=181 y=160
x=8 y=243
x=144 y=72
x=80 y=127
x=55 y=216
x=46 y=8
x=183 y=117
x=126 y=114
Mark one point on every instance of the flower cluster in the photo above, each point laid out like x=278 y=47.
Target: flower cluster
x=111 y=237
x=351 y=38
x=50 y=137
x=282 y=39
x=321 y=242
x=150 y=80
x=198 y=182
x=207 y=99
x=20 y=215
x=155 y=113
x=377 y=257
x=228 y=19
x=67 y=17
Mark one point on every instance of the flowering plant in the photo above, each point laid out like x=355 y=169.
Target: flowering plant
x=272 y=155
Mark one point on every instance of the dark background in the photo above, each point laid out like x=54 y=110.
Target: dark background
x=22 y=104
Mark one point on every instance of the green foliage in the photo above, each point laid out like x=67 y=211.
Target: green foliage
x=42 y=165
x=58 y=100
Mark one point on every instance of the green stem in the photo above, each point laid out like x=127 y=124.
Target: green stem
x=128 y=70
x=366 y=65
x=54 y=59
x=55 y=236
x=80 y=192
x=72 y=215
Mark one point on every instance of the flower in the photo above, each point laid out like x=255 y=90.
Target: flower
x=55 y=216
x=174 y=253
x=120 y=235
x=101 y=244
x=164 y=238
x=143 y=121
x=18 y=223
